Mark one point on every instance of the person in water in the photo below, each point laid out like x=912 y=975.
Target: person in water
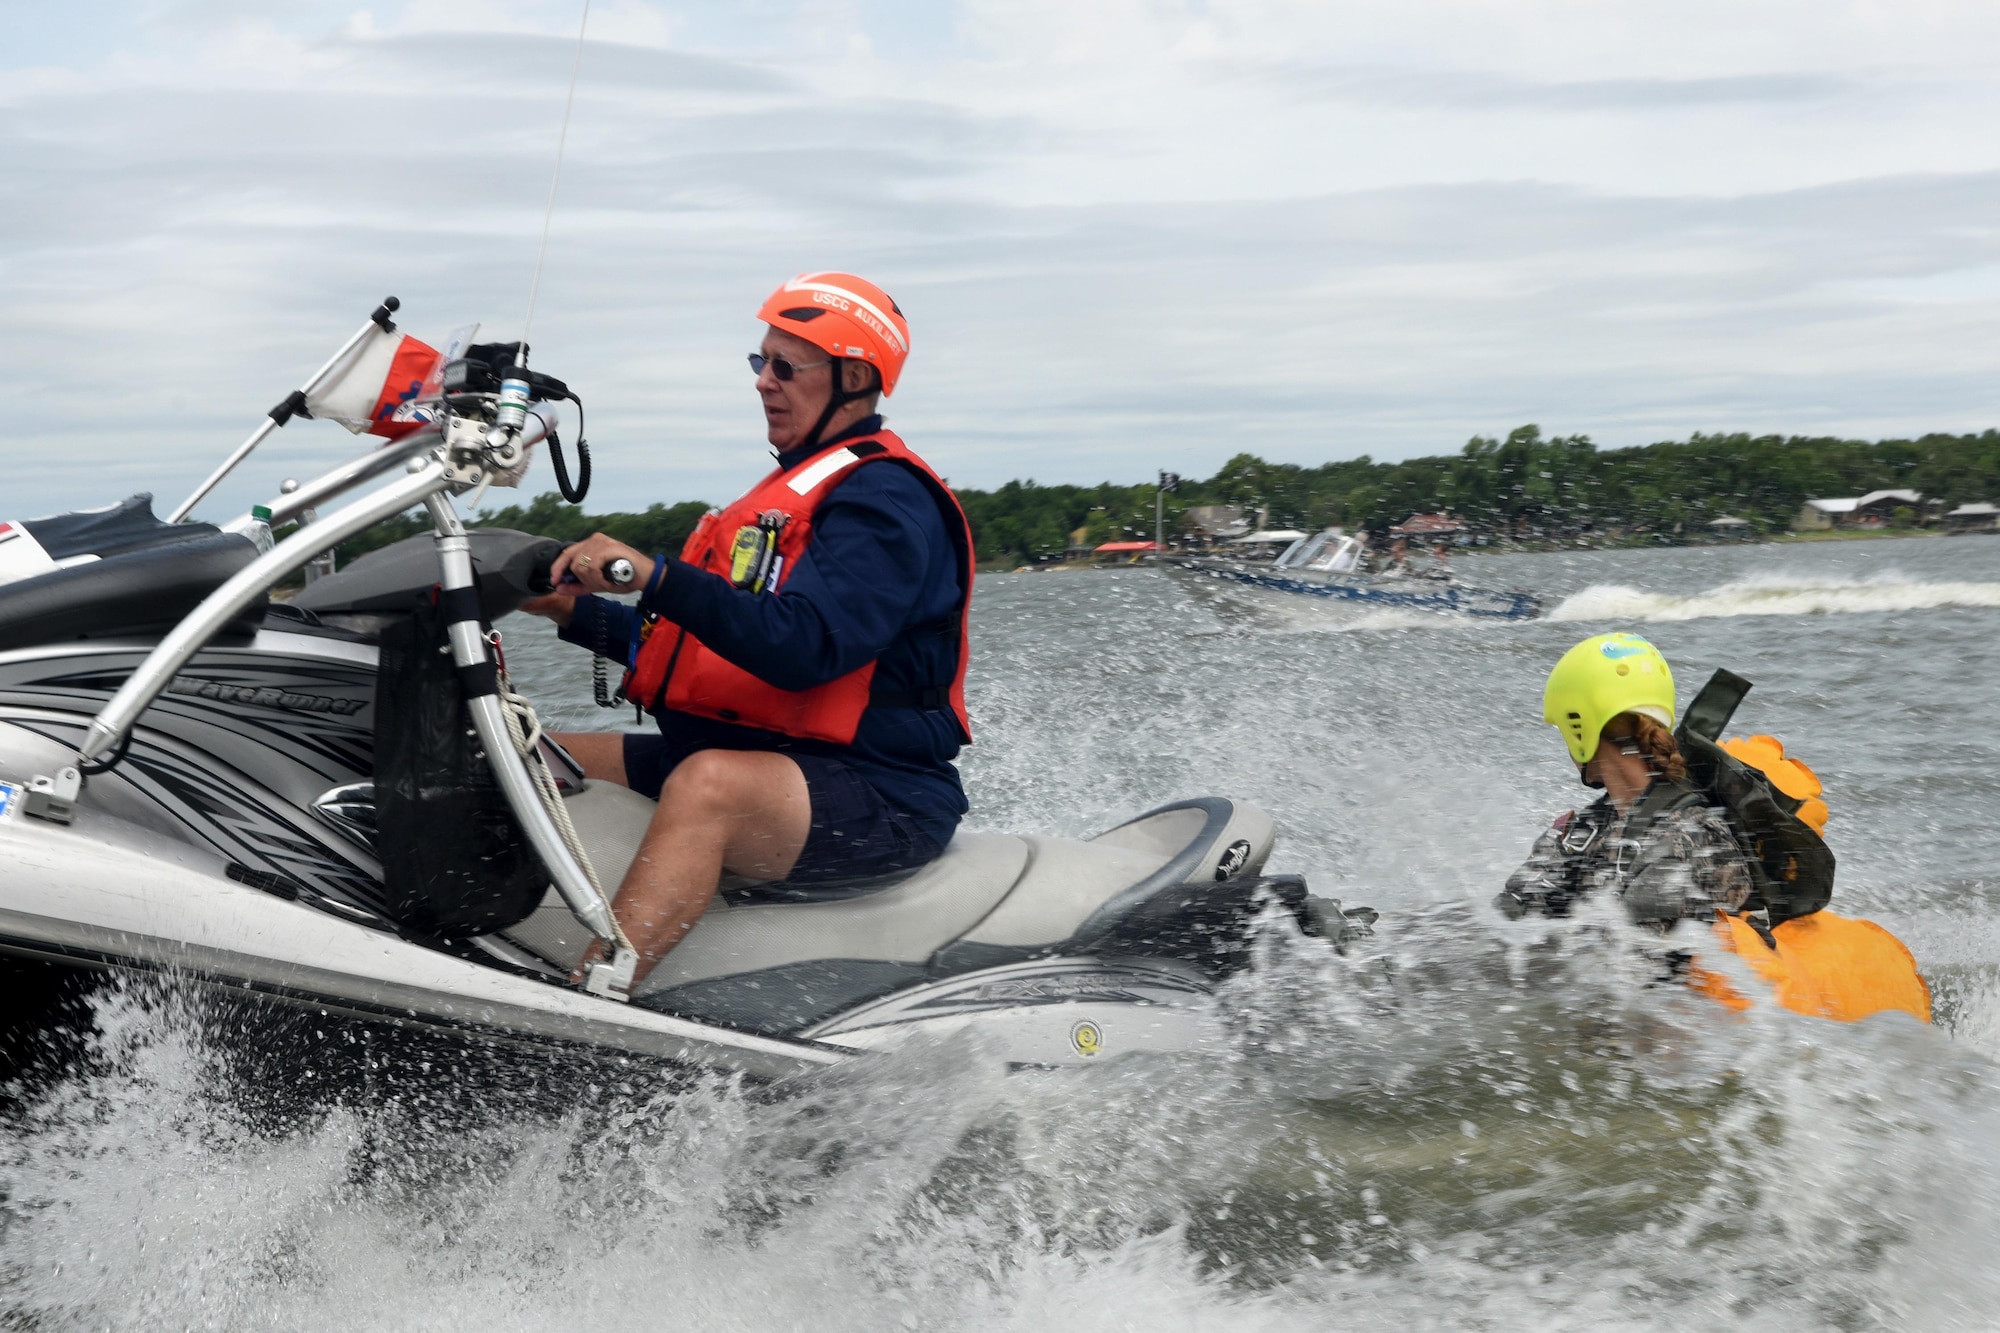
x=805 y=655
x=1653 y=840
x=1670 y=851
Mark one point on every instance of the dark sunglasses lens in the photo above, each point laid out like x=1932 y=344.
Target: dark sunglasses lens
x=779 y=366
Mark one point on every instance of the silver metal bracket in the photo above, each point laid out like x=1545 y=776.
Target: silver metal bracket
x=53 y=798
x=464 y=437
x=504 y=452
x=465 y=461
x=478 y=456
x=464 y=476
x=612 y=980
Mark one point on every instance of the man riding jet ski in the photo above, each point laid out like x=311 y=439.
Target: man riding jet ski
x=1687 y=829
x=805 y=656
x=340 y=800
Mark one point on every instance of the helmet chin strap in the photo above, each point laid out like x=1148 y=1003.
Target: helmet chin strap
x=837 y=398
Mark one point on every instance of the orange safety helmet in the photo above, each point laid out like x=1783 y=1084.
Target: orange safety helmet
x=848 y=317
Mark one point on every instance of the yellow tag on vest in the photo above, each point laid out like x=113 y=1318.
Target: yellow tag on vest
x=746 y=556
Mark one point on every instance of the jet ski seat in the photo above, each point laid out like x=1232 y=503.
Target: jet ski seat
x=142 y=591
x=989 y=899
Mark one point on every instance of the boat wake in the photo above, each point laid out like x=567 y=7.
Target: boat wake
x=1775 y=595
x=1458 y=1125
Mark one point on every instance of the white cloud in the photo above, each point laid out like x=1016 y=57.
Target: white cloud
x=1128 y=234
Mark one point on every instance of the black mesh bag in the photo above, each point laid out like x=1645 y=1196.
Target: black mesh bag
x=454 y=861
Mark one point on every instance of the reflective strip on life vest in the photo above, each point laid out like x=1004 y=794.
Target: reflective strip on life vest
x=820 y=469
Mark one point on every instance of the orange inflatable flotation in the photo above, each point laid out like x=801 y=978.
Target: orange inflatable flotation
x=1767 y=755
x=1825 y=965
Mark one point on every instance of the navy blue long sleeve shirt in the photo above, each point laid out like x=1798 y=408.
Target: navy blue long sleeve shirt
x=878 y=581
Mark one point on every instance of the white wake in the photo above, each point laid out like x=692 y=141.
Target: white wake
x=1775 y=595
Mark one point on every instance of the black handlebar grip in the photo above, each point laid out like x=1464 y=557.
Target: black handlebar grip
x=539 y=582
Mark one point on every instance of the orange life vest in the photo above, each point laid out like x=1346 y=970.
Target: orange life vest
x=1825 y=965
x=757 y=543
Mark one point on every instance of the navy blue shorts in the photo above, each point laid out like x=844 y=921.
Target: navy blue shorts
x=856 y=835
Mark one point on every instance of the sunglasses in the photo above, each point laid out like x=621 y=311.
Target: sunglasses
x=780 y=367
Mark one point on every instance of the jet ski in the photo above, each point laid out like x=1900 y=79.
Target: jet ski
x=189 y=784
x=1332 y=566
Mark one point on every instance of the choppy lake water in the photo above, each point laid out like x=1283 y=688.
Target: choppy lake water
x=1467 y=1123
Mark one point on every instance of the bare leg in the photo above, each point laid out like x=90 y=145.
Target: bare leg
x=739 y=810
x=602 y=753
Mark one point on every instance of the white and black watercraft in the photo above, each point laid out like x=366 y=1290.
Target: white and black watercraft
x=1334 y=566
x=192 y=781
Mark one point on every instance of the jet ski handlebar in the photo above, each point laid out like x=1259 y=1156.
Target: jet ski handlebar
x=288 y=505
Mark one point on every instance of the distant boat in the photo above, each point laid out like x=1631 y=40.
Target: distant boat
x=1334 y=565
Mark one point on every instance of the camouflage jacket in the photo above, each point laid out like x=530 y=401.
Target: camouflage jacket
x=1671 y=856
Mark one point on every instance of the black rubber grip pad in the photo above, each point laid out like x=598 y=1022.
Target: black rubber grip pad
x=456 y=604
x=479 y=680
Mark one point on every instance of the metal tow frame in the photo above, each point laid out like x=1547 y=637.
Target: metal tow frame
x=457 y=463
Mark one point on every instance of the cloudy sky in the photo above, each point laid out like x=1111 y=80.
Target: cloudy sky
x=1128 y=234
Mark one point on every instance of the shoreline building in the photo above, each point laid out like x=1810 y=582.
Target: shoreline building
x=1873 y=510
x=1975 y=517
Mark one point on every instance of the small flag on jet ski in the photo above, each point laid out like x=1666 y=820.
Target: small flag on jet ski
x=1170 y=481
x=377 y=391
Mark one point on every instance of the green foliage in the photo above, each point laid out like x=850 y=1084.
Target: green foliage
x=1025 y=522
x=1527 y=487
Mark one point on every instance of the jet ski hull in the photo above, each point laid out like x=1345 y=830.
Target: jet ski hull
x=99 y=895
x=233 y=845
x=121 y=898
x=1049 y=1012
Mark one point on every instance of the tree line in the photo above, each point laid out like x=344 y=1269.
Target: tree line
x=1525 y=488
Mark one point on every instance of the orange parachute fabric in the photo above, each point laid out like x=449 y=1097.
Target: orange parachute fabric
x=1825 y=965
x=1767 y=755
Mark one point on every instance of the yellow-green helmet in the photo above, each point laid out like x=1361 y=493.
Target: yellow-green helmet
x=1601 y=678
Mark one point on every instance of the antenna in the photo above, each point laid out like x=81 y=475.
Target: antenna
x=548 y=213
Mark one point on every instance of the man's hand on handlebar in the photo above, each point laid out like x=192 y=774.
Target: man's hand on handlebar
x=598 y=564
x=558 y=607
